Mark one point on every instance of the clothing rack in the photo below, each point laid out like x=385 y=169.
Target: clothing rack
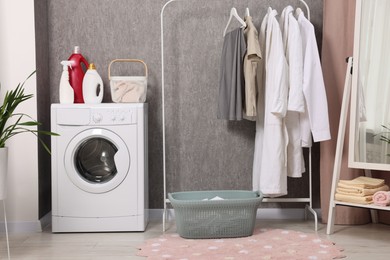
x=166 y=200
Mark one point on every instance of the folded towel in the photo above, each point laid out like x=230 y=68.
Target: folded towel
x=355 y=191
x=364 y=182
x=381 y=198
x=353 y=199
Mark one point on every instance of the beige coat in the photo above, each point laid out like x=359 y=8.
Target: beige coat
x=252 y=68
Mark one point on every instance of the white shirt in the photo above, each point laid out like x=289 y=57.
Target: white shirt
x=315 y=119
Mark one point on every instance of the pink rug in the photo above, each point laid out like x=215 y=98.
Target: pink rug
x=264 y=244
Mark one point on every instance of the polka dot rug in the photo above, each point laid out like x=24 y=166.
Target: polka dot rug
x=263 y=244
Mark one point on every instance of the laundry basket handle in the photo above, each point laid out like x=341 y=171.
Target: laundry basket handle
x=127 y=60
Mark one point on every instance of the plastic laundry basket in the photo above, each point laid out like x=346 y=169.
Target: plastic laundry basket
x=235 y=216
x=128 y=89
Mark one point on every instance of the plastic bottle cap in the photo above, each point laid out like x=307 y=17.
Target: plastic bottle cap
x=91 y=66
x=76 y=49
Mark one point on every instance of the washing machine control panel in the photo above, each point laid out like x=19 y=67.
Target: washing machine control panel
x=113 y=116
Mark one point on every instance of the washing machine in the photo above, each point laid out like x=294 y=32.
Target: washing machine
x=99 y=167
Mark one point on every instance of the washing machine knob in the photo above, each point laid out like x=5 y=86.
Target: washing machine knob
x=122 y=117
x=97 y=118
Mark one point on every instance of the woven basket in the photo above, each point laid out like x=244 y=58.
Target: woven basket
x=235 y=216
x=128 y=89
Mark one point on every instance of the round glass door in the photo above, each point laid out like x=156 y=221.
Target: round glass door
x=97 y=160
x=94 y=160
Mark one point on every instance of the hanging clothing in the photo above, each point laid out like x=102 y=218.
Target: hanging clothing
x=292 y=43
x=231 y=81
x=251 y=68
x=315 y=120
x=270 y=166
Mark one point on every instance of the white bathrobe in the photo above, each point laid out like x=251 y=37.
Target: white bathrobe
x=270 y=165
x=315 y=120
x=292 y=43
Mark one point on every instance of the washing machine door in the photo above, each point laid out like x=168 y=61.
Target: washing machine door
x=97 y=160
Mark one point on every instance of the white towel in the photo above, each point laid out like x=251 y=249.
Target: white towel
x=215 y=198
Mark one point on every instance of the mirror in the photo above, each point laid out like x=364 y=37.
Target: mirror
x=370 y=99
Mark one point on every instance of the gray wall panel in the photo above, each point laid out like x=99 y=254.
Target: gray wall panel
x=202 y=152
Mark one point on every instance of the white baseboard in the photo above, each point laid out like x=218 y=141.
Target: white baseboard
x=22 y=226
x=156 y=215
x=27 y=226
x=46 y=220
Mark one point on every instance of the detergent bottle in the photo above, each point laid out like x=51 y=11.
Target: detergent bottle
x=92 y=86
x=76 y=74
x=66 y=90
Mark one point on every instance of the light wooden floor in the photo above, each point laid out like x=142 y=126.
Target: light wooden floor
x=361 y=242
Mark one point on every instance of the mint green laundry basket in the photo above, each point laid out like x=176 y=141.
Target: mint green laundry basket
x=234 y=216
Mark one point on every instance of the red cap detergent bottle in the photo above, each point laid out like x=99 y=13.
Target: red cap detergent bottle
x=76 y=74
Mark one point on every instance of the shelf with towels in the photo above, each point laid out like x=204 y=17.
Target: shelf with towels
x=338 y=159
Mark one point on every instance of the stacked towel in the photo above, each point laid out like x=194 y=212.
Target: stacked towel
x=354 y=199
x=359 y=190
x=364 y=182
x=355 y=191
x=381 y=198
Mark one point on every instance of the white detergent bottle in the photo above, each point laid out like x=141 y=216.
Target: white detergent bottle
x=66 y=90
x=92 y=86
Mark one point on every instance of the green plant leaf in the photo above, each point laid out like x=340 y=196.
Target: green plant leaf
x=12 y=99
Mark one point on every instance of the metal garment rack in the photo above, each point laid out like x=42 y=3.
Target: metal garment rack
x=166 y=200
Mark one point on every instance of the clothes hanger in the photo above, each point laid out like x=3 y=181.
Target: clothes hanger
x=233 y=13
x=299 y=10
x=247 y=12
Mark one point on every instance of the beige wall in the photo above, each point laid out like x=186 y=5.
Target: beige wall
x=17 y=53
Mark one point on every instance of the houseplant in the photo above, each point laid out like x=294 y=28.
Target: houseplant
x=13 y=123
x=385 y=135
